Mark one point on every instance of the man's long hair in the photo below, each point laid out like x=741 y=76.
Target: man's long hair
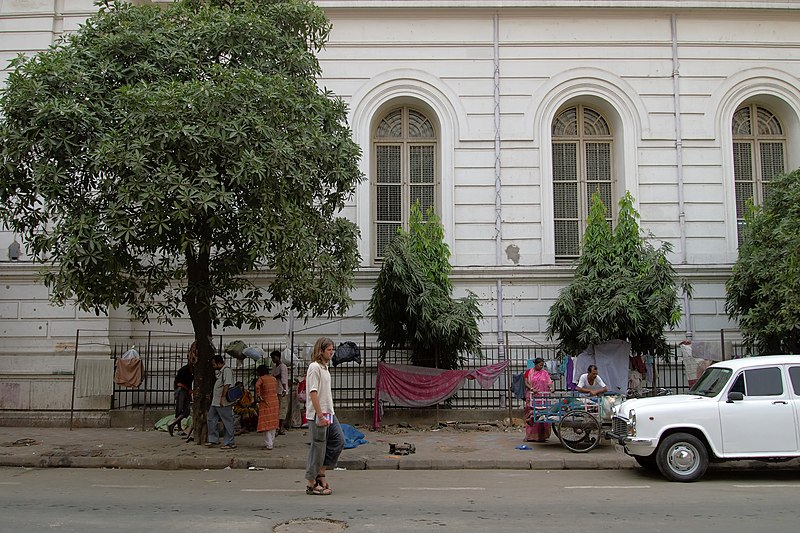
x=319 y=347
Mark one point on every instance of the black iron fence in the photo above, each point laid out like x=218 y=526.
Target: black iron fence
x=354 y=384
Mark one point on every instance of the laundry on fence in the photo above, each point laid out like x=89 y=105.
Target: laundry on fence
x=417 y=386
x=93 y=376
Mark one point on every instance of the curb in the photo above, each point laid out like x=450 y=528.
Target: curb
x=278 y=463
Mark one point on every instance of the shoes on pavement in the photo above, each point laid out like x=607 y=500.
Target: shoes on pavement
x=210 y=444
x=228 y=447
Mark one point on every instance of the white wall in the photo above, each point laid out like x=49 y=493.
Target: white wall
x=441 y=53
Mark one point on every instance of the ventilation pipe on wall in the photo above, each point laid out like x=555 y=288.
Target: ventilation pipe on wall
x=498 y=203
x=676 y=92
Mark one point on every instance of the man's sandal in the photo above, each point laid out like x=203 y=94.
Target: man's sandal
x=318 y=490
x=320 y=482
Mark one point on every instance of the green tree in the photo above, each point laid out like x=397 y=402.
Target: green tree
x=159 y=158
x=624 y=288
x=764 y=290
x=411 y=305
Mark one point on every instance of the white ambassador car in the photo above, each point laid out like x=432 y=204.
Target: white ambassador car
x=740 y=409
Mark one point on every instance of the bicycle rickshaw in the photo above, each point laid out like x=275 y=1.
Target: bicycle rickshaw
x=576 y=419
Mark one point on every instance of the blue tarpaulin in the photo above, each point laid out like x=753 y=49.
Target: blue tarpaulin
x=352 y=437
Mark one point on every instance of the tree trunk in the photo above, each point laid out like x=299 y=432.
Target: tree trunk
x=198 y=306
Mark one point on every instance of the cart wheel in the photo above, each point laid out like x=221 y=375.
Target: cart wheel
x=579 y=431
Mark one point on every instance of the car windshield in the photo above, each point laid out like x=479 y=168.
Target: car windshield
x=711 y=382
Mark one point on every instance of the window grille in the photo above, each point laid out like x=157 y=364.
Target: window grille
x=582 y=164
x=406 y=171
x=759 y=154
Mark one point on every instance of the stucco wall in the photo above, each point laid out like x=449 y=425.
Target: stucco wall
x=441 y=54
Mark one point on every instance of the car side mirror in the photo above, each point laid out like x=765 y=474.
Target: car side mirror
x=735 y=397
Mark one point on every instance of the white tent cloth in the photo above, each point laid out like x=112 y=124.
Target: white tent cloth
x=612 y=359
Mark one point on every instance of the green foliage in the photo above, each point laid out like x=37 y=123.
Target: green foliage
x=764 y=290
x=161 y=155
x=624 y=288
x=411 y=305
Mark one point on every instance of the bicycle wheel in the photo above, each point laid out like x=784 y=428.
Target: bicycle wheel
x=579 y=431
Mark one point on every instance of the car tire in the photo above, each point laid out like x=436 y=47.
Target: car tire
x=648 y=462
x=682 y=457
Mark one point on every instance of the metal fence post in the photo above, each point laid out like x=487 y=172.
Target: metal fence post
x=74 y=372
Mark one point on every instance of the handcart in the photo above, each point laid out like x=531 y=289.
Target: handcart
x=576 y=419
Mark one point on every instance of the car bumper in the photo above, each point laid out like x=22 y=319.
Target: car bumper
x=633 y=445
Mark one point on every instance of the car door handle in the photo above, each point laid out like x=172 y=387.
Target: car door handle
x=779 y=401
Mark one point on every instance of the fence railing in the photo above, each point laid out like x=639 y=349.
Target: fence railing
x=353 y=385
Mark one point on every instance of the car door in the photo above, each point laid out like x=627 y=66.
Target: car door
x=763 y=423
x=794 y=379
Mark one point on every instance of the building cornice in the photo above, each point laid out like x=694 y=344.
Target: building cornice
x=549 y=4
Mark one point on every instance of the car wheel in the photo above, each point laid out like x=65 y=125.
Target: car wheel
x=682 y=457
x=647 y=462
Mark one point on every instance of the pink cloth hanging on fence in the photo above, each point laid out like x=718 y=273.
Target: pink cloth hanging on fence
x=417 y=386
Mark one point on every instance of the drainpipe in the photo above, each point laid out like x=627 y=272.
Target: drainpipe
x=498 y=204
x=676 y=91
x=57 y=28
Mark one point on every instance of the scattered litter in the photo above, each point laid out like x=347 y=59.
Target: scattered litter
x=402 y=449
x=25 y=442
x=255 y=468
x=339 y=468
x=227 y=468
x=132 y=428
x=523 y=447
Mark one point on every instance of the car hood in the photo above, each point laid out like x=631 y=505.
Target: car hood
x=659 y=401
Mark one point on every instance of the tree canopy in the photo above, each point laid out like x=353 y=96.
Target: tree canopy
x=764 y=290
x=411 y=305
x=159 y=158
x=624 y=288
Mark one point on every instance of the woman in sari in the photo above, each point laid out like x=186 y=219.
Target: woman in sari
x=537 y=385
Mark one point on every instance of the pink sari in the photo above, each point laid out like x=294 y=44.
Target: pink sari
x=537 y=384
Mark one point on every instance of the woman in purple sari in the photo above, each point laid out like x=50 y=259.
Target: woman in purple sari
x=537 y=384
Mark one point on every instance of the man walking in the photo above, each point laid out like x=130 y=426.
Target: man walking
x=220 y=408
x=327 y=440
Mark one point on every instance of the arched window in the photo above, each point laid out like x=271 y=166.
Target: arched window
x=406 y=171
x=759 y=154
x=582 y=164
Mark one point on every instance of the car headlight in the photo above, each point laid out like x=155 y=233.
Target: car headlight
x=632 y=423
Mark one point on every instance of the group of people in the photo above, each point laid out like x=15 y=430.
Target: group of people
x=271 y=394
x=538 y=385
x=271 y=390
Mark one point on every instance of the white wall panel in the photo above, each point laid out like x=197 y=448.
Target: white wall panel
x=451 y=50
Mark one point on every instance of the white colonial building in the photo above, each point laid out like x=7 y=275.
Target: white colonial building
x=505 y=115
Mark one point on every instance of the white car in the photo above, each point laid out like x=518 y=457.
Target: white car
x=740 y=409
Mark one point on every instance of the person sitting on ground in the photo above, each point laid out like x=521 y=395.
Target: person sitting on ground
x=590 y=383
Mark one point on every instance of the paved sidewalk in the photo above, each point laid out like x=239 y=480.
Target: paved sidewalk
x=447 y=448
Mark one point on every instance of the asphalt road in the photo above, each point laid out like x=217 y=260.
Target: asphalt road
x=102 y=500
